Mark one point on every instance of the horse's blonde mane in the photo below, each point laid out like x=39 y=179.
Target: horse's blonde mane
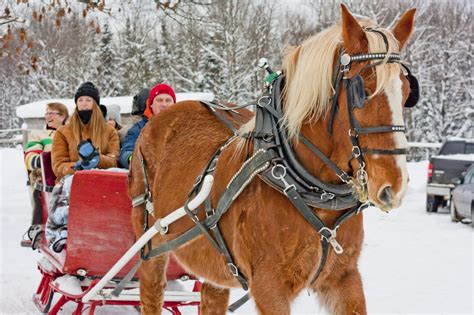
x=309 y=69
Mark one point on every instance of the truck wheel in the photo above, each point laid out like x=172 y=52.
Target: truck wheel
x=433 y=202
x=453 y=213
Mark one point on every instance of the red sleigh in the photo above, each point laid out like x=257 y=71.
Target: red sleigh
x=99 y=233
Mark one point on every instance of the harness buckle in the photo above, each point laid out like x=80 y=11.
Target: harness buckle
x=344 y=177
x=353 y=133
x=331 y=239
x=233 y=269
x=356 y=151
x=198 y=180
x=327 y=196
x=285 y=191
x=275 y=170
x=149 y=207
x=267 y=137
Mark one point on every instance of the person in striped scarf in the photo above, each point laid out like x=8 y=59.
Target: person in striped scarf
x=39 y=141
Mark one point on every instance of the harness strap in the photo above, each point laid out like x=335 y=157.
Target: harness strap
x=222 y=119
x=166 y=247
x=337 y=81
x=328 y=236
x=379 y=129
x=234 y=306
x=384 y=151
x=228 y=257
x=340 y=173
x=325 y=244
x=249 y=170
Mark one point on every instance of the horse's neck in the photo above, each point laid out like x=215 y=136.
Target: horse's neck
x=318 y=135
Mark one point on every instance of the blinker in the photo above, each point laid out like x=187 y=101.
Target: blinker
x=356 y=91
x=414 y=95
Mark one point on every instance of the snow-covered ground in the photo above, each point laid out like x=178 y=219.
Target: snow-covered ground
x=412 y=262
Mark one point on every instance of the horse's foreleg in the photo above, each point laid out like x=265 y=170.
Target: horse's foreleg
x=343 y=295
x=270 y=294
x=214 y=300
x=152 y=285
x=152 y=272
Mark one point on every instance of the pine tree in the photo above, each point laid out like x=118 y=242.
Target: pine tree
x=107 y=79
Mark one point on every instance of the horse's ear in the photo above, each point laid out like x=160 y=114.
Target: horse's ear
x=353 y=35
x=404 y=28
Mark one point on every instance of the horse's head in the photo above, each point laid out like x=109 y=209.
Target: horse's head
x=349 y=79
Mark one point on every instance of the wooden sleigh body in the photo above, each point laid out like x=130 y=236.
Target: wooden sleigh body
x=99 y=233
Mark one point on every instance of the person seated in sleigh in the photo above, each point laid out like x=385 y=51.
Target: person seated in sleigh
x=161 y=96
x=40 y=141
x=85 y=143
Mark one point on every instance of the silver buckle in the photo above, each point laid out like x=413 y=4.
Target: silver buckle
x=327 y=195
x=149 y=207
x=354 y=135
x=356 y=151
x=332 y=240
x=342 y=178
x=282 y=178
x=233 y=269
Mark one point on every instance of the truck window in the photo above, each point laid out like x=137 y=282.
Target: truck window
x=454 y=147
x=469 y=148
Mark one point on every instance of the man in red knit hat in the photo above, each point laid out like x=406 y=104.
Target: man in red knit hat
x=160 y=97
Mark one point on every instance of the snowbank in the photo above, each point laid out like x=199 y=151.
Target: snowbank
x=412 y=261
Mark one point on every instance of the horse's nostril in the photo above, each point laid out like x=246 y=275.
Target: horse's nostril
x=386 y=195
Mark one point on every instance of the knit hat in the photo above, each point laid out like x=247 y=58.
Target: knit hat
x=157 y=90
x=87 y=89
x=139 y=102
x=113 y=112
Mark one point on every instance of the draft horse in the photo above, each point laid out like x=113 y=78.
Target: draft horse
x=334 y=142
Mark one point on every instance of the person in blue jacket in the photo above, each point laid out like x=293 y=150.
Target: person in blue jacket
x=161 y=96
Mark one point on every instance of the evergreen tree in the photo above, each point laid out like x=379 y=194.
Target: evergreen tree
x=108 y=81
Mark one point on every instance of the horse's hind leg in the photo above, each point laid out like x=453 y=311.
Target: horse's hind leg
x=214 y=300
x=344 y=294
x=152 y=285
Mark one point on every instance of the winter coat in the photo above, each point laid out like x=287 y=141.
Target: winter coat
x=38 y=141
x=129 y=141
x=64 y=154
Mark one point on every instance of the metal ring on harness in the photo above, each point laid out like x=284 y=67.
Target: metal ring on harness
x=262 y=98
x=274 y=171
